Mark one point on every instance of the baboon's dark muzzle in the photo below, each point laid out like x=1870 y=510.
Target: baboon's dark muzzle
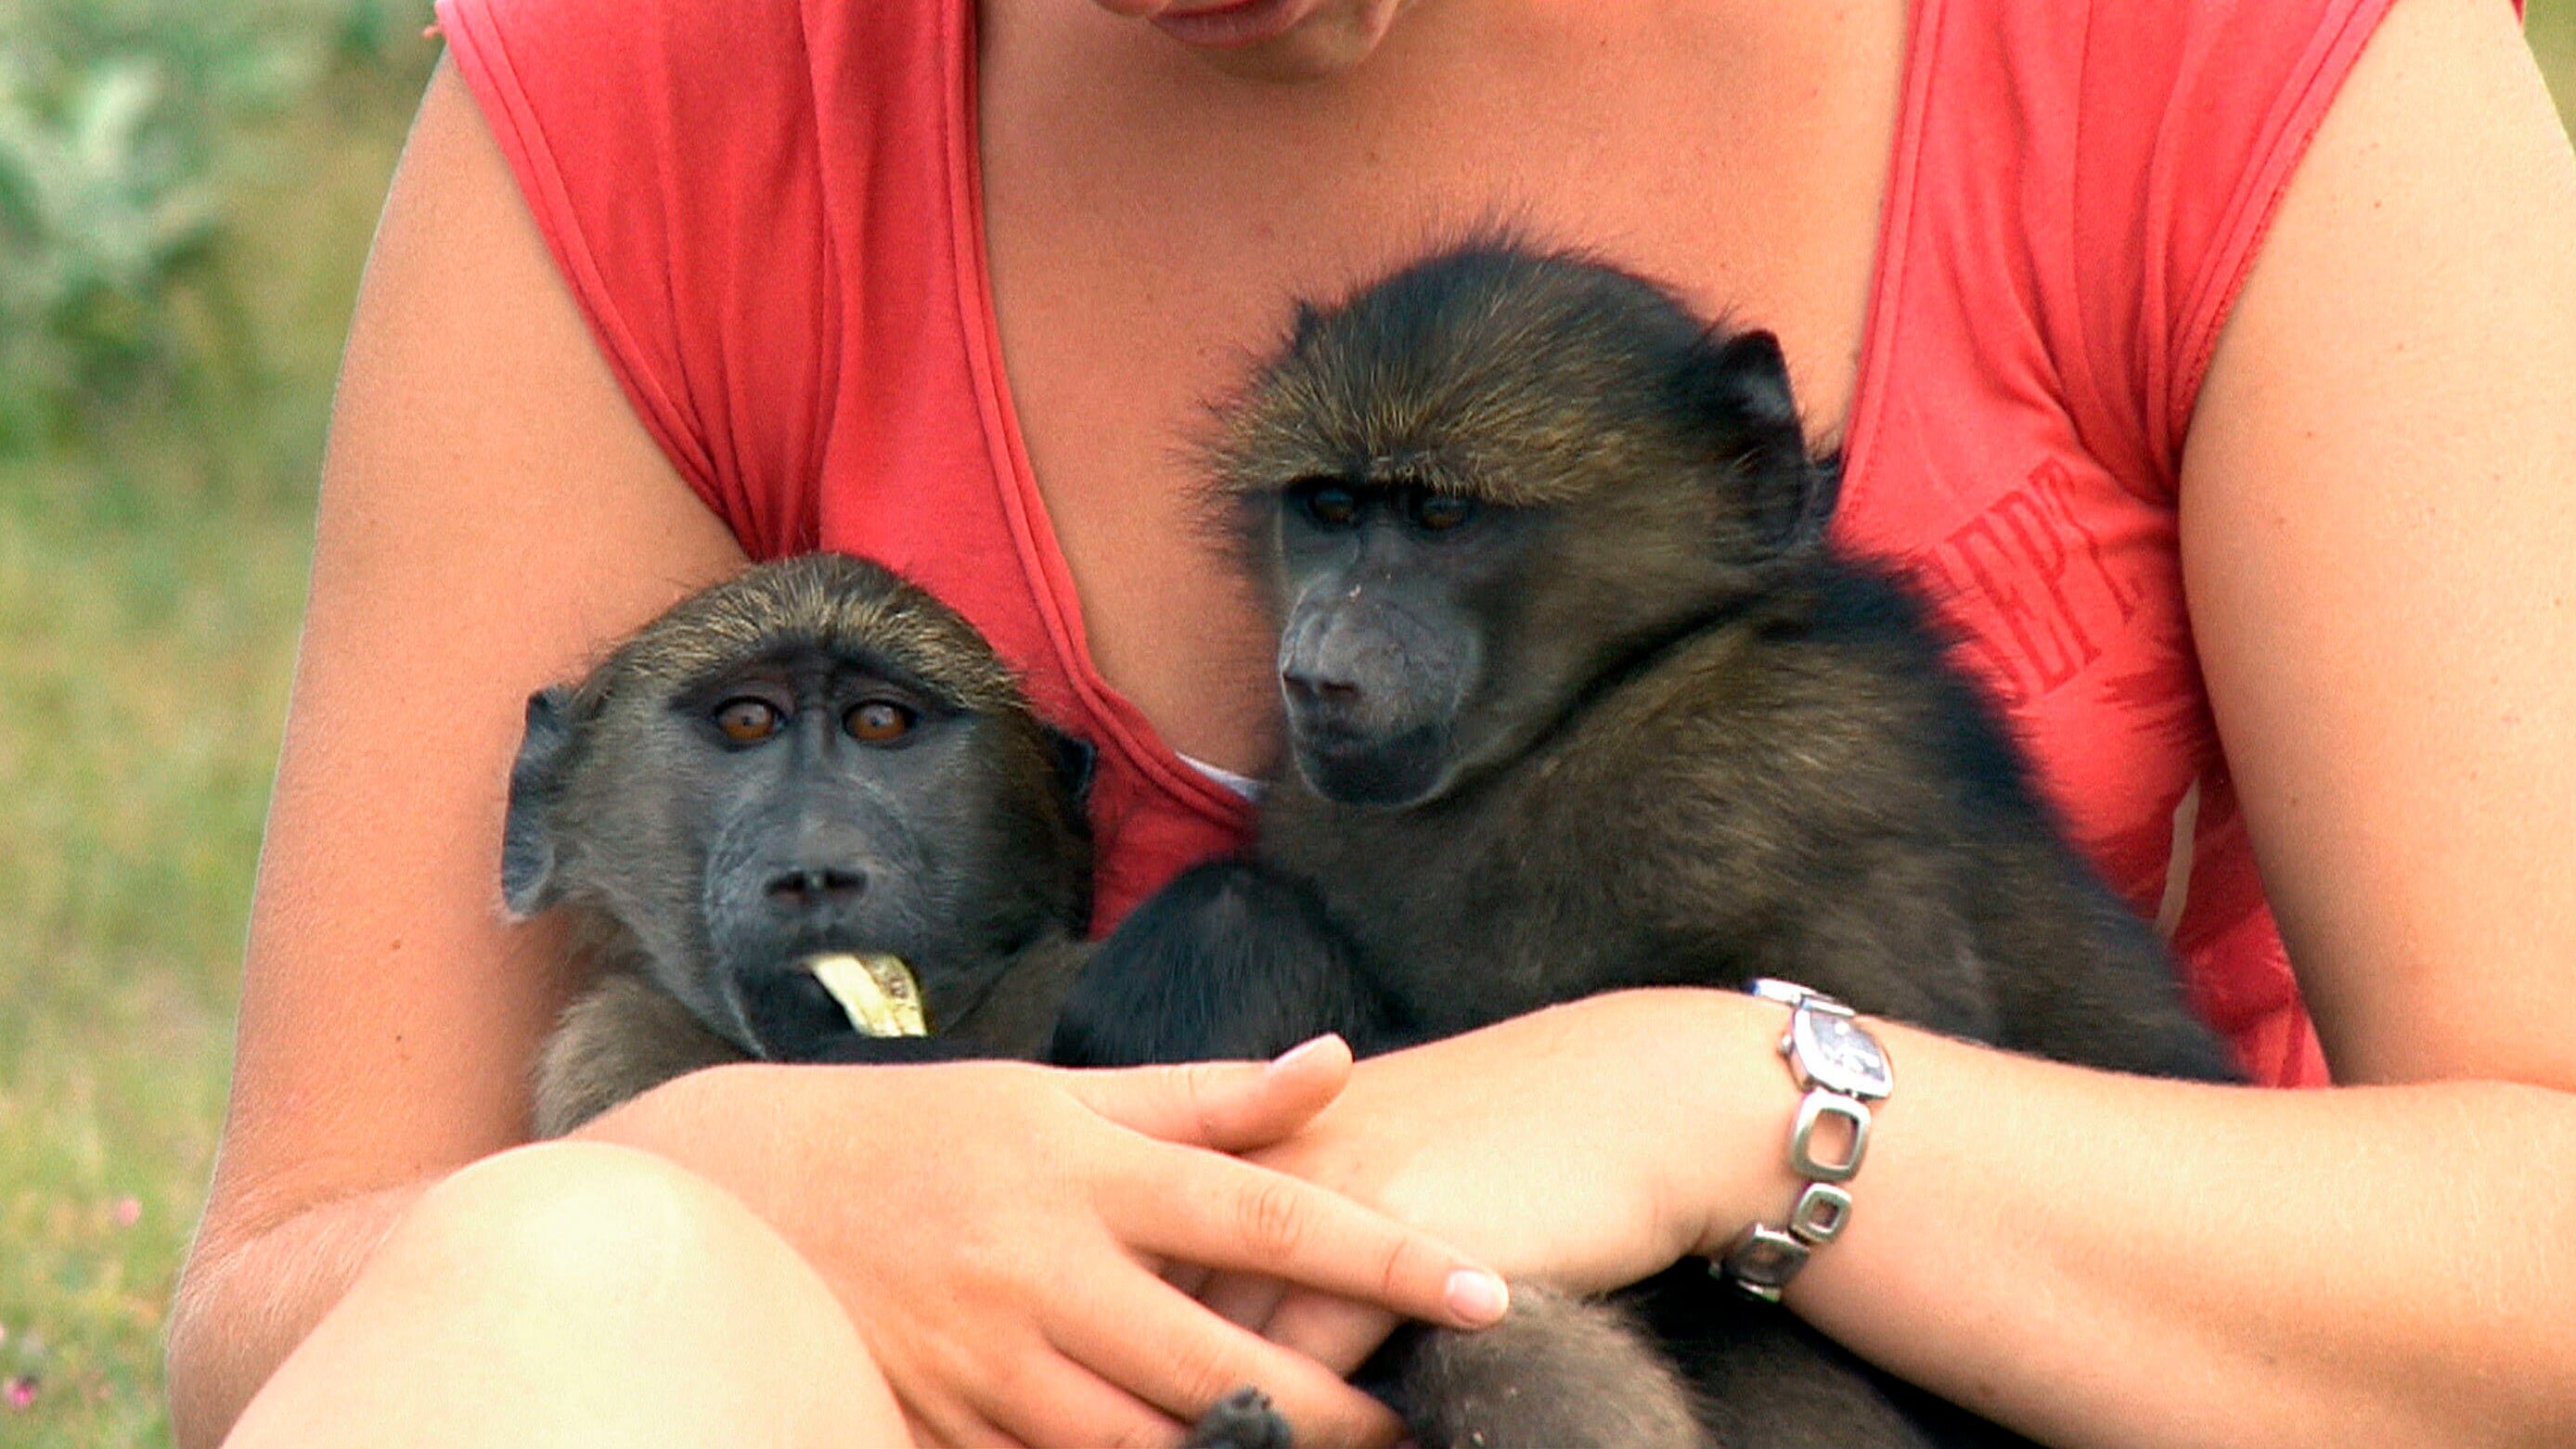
x=1371 y=690
x=792 y=1018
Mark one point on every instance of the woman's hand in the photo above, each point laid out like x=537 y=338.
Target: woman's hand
x=1585 y=1146
x=996 y=1231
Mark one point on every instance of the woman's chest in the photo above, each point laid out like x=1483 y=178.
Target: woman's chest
x=1148 y=224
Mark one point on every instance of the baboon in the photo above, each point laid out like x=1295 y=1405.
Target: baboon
x=1578 y=698
x=814 y=758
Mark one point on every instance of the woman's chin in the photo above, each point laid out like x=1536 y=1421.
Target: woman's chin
x=1304 y=40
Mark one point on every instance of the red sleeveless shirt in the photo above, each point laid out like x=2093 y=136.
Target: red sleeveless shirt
x=769 y=212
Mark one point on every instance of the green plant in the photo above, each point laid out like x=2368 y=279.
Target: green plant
x=186 y=189
x=122 y=147
x=99 y=221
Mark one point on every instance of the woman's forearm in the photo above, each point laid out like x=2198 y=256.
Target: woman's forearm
x=242 y=1307
x=2106 y=1260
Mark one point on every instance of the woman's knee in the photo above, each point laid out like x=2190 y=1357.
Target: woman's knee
x=590 y=1286
x=590 y=1220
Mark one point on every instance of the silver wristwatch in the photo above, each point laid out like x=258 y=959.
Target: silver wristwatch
x=1842 y=1069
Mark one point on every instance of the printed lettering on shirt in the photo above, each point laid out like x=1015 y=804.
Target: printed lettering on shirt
x=2029 y=561
x=2053 y=484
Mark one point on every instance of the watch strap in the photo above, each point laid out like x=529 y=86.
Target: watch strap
x=1762 y=1259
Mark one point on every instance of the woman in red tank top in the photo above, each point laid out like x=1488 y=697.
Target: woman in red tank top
x=2208 y=361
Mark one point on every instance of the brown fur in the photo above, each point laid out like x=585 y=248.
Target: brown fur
x=1638 y=724
x=601 y=827
x=619 y=1040
x=836 y=604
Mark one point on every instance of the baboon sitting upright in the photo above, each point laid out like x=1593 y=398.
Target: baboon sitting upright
x=811 y=762
x=1580 y=698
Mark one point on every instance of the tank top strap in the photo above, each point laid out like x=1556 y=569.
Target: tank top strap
x=2077 y=194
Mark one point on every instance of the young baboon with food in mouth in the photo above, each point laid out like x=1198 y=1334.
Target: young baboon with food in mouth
x=805 y=815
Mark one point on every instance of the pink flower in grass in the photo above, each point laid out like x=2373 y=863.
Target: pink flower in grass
x=21 y=1392
x=127 y=1212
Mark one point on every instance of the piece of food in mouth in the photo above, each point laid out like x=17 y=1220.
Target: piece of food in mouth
x=878 y=992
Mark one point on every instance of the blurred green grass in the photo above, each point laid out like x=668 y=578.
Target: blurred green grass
x=2551 y=24
x=153 y=546
x=151 y=575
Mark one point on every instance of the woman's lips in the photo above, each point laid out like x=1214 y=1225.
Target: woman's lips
x=1224 y=27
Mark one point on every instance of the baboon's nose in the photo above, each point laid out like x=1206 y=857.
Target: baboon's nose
x=1328 y=688
x=815 y=888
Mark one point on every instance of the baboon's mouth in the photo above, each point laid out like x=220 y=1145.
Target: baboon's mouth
x=1392 y=769
x=877 y=992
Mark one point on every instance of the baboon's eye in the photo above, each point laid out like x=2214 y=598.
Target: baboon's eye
x=747 y=721
x=878 y=722
x=1332 y=505
x=1436 y=512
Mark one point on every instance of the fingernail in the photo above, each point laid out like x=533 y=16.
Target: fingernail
x=1478 y=1297
x=1301 y=1052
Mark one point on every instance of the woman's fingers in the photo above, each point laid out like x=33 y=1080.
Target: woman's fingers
x=1190 y=1278
x=1172 y=1352
x=1338 y=1333
x=1045 y=1398
x=1013 y=1387
x=1247 y=1299
x=1229 y=1106
x=1231 y=1215
x=957 y=1425
x=1003 y=1269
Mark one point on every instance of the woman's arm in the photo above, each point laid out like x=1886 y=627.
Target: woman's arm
x=491 y=514
x=2379 y=529
x=2379 y=547
x=2379 y=544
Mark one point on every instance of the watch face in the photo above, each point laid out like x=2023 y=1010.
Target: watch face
x=1838 y=1054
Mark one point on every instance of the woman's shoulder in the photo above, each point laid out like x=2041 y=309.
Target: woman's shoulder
x=2079 y=193
x=623 y=108
x=698 y=169
x=646 y=56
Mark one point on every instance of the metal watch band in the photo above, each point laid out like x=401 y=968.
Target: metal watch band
x=1842 y=1069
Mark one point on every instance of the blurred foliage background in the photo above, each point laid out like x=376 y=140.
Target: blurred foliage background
x=186 y=192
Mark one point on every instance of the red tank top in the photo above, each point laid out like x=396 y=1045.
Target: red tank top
x=769 y=212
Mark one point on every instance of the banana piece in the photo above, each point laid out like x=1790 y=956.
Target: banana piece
x=878 y=992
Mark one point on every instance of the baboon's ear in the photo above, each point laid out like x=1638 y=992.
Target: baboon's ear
x=1751 y=382
x=536 y=778
x=1748 y=394
x=1302 y=329
x=1076 y=761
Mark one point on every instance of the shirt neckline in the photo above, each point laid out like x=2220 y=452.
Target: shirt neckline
x=1122 y=726
x=1887 y=265
x=1125 y=727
